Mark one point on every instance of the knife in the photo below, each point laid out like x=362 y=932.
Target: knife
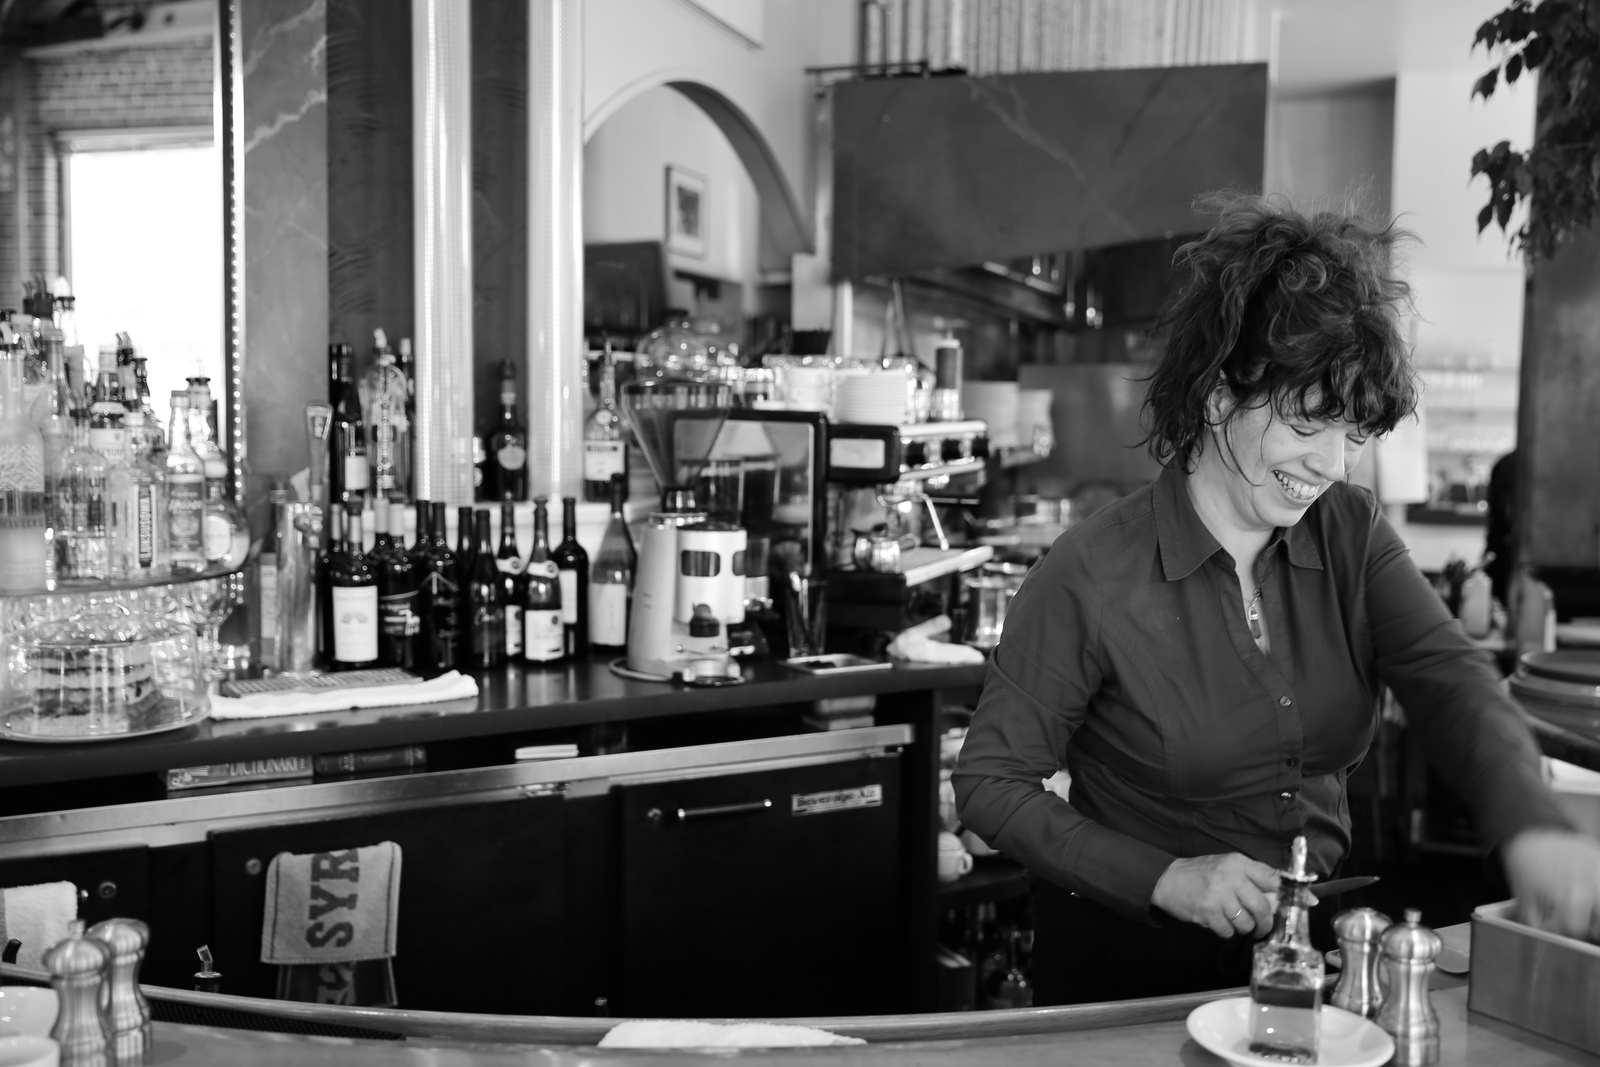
x=1325 y=890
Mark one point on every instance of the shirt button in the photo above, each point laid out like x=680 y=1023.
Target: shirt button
x=1293 y=761
x=1286 y=796
x=1284 y=702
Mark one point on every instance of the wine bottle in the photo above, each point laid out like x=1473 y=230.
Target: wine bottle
x=347 y=464
x=611 y=580
x=439 y=601
x=604 y=449
x=398 y=624
x=544 y=640
x=466 y=548
x=508 y=445
x=508 y=562
x=572 y=564
x=355 y=601
x=486 y=600
x=329 y=548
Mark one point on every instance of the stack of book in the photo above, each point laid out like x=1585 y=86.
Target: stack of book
x=289 y=770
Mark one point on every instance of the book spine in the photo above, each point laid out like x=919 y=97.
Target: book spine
x=402 y=757
x=260 y=770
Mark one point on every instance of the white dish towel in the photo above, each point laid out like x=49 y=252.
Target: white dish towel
x=38 y=916
x=449 y=686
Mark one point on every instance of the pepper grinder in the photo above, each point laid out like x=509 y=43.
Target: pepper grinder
x=1409 y=952
x=129 y=1014
x=1360 y=988
x=77 y=969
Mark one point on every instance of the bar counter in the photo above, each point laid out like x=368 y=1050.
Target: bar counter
x=1133 y=1032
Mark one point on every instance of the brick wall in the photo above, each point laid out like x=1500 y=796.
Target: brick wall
x=162 y=84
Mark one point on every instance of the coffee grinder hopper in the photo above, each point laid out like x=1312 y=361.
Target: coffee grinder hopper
x=676 y=422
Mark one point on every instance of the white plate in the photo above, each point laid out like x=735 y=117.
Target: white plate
x=1348 y=1040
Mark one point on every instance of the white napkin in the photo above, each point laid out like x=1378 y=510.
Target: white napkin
x=688 y=1033
x=449 y=686
x=921 y=649
x=38 y=916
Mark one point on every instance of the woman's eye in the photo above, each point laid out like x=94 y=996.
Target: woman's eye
x=1357 y=439
x=1303 y=431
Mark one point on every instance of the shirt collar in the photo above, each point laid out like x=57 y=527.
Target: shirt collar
x=1185 y=542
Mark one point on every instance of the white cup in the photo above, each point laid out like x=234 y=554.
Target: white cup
x=27 y=1010
x=947 y=802
x=28 y=1050
x=954 y=861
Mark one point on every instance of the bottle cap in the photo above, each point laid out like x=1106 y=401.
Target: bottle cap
x=78 y=954
x=1360 y=924
x=1410 y=940
x=124 y=937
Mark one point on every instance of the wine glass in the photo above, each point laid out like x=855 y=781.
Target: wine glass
x=210 y=602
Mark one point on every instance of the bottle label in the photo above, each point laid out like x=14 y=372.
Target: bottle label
x=355 y=473
x=512 y=457
x=111 y=443
x=569 y=597
x=355 y=623
x=145 y=506
x=22 y=468
x=602 y=459
x=488 y=636
x=398 y=617
x=512 y=565
x=608 y=614
x=185 y=509
x=267 y=582
x=513 y=630
x=547 y=568
x=219 y=536
x=543 y=638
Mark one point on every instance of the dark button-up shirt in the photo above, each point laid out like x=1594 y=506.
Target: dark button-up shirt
x=1127 y=658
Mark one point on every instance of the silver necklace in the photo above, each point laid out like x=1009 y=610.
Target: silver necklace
x=1252 y=614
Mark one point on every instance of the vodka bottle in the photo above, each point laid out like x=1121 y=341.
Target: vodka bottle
x=52 y=410
x=186 y=492
x=611 y=579
x=227 y=535
x=152 y=423
x=354 y=597
x=139 y=528
x=383 y=394
x=83 y=545
x=107 y=433
x=604 y=447
x=23 y=505
x=203 y=436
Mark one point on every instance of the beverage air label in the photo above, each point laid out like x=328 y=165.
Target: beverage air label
x=355 y=472
x=602 y=459
x=21 y=468
x=865 y=796
x=512 y=457
x=543 y=637
x=608 y=614
x=569 y=597
x=355 y=624
x=513 y=630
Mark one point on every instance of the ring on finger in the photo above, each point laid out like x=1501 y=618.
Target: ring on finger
x=1236 y=914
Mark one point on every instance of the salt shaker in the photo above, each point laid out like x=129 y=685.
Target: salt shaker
x=1360 y=988
x=78 y=967
x=1409 y=952
x=128 y=1014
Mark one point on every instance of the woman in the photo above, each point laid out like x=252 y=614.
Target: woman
x=1206 y=655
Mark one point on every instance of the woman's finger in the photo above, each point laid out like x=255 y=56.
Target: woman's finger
x=1263 y=877
x=1257 y=910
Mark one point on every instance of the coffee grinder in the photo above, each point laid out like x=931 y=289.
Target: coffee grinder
x=690 y=583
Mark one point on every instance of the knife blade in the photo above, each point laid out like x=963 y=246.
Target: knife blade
x=1325 y=890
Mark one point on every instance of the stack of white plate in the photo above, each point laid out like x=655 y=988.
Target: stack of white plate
x=876 y=397
x=996 y=403
x=1033 y=416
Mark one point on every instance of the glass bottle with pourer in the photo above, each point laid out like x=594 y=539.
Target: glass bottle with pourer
x=1286 y=973
x=690 y=581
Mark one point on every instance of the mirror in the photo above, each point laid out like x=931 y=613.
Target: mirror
x=112 y=149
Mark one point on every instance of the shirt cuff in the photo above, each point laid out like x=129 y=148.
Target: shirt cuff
x=1118 y=871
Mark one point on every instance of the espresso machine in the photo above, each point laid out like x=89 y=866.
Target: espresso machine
x=690 y=584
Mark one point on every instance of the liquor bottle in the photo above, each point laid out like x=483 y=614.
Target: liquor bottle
x=604 y=447
x=328 y=550
x=544 y=639
x=466 y=548
x=186 y=493
x=355 y=601
x=52 y=411
x=107 y=434
x=152 y=423
x=508 y=445
x=267 y=577
x=383 y=394
x=479 y=463
x=423 y=544
x=398 y=624
x=1286 y=973
x=508 y=561
x=611 y=579
x=83 y=544
x=572 y=564
x=347 y=463
x=486 y=603
x=439 y=602
x=139 y=528
x=24 y=511
x=125 y=374
x=203 y=436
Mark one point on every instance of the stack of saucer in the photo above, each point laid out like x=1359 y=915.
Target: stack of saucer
x=877 y=397
x=996 y=404
x=1033 y=417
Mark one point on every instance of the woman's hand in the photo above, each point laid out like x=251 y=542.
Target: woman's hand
x=1555 y=875
x=1228 y=895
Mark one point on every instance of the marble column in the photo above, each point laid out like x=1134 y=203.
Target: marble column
x=555 y=247
x=441 y=80
x=282 y=144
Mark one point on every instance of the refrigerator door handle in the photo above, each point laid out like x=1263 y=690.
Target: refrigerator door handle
x=656 y=815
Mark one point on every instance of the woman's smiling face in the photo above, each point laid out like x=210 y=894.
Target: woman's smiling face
x=1276 y=463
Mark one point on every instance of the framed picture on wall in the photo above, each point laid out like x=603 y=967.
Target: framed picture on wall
x=686 y=212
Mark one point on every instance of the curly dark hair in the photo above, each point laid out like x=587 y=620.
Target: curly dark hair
x=1297 y=310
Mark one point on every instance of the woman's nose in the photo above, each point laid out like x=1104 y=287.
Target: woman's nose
x=1328 y=459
